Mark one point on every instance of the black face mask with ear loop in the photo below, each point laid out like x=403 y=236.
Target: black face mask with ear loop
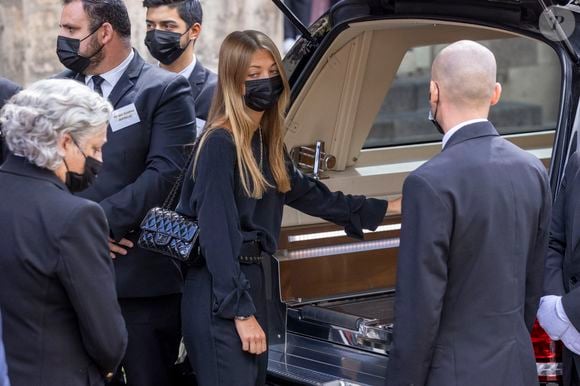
x=165 y=46
x=78 y=182
x=67 y=50
x=433 y=115
x=263 y=94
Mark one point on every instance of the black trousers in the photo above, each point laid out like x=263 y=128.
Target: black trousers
x=213 y=344
x=154 y=329
x=571 y=370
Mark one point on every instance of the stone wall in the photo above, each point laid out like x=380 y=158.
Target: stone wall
x=28 y=30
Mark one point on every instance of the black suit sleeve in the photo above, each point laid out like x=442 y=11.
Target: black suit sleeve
x=558 y=242
x=173 y=126
x=553 y=276
x=535 y=266
x=7 y=90
x=421 y=281
x=86 y=272
x=314 y=198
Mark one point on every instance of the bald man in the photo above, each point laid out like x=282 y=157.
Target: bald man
x=473 y=240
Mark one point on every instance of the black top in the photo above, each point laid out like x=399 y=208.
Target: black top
x=227 y=216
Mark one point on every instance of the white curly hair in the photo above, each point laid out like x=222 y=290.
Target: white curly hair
x=33 y=120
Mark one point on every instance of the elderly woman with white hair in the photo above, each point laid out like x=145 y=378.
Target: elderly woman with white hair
x=62 y=322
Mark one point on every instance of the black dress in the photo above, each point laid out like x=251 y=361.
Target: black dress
x=222 y=288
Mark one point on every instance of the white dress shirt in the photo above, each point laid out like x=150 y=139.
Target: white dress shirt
x=456 y=128
x=111 y=77
x=186 y=72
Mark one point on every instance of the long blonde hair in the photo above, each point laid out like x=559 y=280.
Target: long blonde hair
x=228 y=108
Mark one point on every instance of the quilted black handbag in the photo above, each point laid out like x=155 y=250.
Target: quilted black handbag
x=167 y=232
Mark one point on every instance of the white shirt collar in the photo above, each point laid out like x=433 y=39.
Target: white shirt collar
x=456 y=128
x=113 y=76
x=186 y=72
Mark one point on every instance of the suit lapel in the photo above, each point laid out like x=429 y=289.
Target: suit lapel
x=197 y=78
x=127 y=80
x=475 y=130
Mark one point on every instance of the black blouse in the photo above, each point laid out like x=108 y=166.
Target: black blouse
x=227 y=217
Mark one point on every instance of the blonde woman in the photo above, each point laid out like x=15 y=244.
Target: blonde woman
x=240 y=180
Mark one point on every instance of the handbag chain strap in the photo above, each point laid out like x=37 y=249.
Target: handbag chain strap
x=169 y=202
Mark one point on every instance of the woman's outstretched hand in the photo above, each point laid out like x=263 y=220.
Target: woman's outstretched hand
x=395 y=206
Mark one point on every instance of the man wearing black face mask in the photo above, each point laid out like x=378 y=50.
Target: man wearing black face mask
x=154 y=118
x=473 y=239
x=173 y=28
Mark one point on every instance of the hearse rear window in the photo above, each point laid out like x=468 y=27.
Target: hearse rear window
x=530 y=74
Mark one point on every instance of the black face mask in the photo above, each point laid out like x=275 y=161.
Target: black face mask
x=67 y=50
x=78 y=182
x=433 y=115
x=263 y=94
x=165 y=46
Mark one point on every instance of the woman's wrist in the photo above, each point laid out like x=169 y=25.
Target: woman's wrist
x=240 y=317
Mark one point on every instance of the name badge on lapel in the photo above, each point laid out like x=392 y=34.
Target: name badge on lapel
x=124 y=117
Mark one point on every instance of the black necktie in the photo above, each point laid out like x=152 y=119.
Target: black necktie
x=97 y=82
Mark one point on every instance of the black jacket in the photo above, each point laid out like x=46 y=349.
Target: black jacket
x=62 y=322
x=470 y=266
x=7 y=90
x=140 y=164
x=563 y=258
x=203 y=83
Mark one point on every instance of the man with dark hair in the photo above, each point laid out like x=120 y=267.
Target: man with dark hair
x=7 y=89
x=173 y=27
x=154 y=118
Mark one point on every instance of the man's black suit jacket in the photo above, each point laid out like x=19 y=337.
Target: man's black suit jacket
x=470 y=266
x=563 y=258
x=140 y=164
x=7 y=90
x=203 y=83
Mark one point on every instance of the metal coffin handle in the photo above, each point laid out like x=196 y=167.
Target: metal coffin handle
x=313 y=160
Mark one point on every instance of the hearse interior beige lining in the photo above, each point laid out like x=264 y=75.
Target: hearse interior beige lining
x=339 y=102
